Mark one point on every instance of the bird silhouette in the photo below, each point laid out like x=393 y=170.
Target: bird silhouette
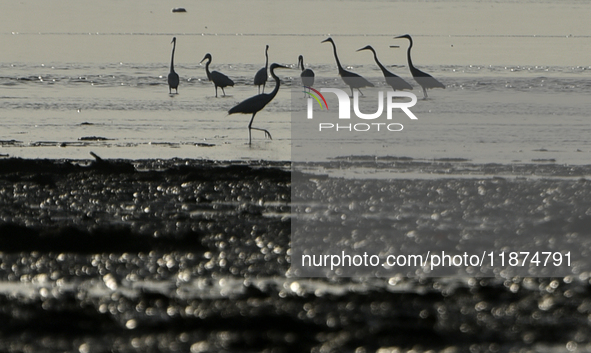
x=425 y=80
x=307 y=75
x=260 y=78
x=173 y=77
x=256 y=103
x=352 y=79
x=397 y=83
x=219 y=79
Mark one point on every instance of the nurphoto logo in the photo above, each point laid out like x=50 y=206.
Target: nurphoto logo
x=344 y=111
x=315 y=97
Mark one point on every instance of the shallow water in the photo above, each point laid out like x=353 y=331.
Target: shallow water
x=70 y=77
x=123 y=111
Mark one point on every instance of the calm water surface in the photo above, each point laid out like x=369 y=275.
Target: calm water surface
x=72 y=83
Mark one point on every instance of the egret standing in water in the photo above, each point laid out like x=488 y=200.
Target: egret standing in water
x=351 y=79
x=260 y=78
x=173 y=77
x=425 y=80
x=397 y=83
x=307 y=75
x=218 y=78
x=255 y=104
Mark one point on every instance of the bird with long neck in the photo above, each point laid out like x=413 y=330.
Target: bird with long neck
x=425 y=80
x=307 y=75
x=352 y=79
x=256 y=103
x=260 y=78
x=393 y=80
x=218 y=78
x=173 y=77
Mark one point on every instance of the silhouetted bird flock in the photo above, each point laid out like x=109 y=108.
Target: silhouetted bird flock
x=256 y=103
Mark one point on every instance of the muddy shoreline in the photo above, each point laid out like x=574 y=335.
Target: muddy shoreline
x=181 y=255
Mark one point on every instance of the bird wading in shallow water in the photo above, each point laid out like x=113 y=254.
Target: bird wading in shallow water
x=351 y=79
x=397 y=83
x=307 y=75
x=256 y=103
x=173 y=77
x=219 y=79
x=425 y=80
x=260 y=78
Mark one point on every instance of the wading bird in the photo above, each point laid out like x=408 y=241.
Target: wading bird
x=173 y=77
x=256 y=103
x=307 y=75
x=260 y=78
x=219 y=79
x=425 y=80
x=397 y=83
x=351 y=79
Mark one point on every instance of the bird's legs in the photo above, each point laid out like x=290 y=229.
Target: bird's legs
x=267 y=134
x=223 y=91
x=425 y=96
x=264 y=87
x=216 y=91
x=309 y=90
x=351 y=96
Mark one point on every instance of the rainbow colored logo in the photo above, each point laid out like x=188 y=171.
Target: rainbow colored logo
x=318 y=100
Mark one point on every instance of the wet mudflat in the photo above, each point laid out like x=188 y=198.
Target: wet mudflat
x=182 y=255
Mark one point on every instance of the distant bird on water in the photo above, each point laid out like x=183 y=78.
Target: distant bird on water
x=397 y=83
x=425 y=80
x=260 y=78
x=256 y=103
x=219 y=79
x=307 y=75
x=173 y=77
x=351 y=79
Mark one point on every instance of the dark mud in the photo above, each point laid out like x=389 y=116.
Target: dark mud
x=192 y=256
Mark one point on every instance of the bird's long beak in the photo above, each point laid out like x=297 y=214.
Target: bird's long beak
x=395 y=46
x=364 y=48
x=398 y=37
x=326 y=40
x=202 y=60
